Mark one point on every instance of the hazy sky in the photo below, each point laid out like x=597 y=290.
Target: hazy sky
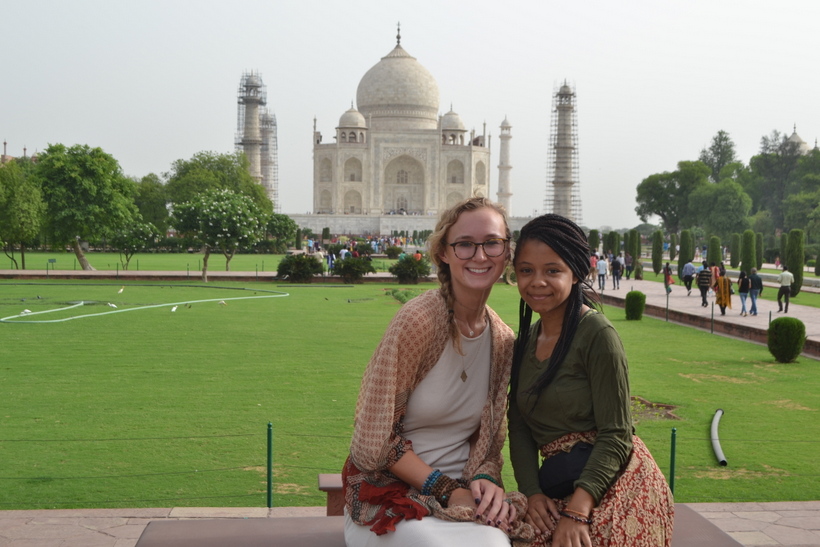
x=154 y=81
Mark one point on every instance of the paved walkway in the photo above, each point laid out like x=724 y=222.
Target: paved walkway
x=796 y=524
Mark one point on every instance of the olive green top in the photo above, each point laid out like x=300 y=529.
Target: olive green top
x=589 y=392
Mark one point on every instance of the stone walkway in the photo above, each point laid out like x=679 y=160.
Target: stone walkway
x=795 y=524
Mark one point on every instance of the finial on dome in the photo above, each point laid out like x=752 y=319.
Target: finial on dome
x=398 y=33
x=351 y=105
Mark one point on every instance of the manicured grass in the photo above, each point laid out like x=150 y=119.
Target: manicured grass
x=154 y=408
x=159 y=261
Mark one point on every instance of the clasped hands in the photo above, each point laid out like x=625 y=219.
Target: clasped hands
x=490 y=503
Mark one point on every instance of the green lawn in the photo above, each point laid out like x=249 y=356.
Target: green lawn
x=154 y=408
x=158 y=261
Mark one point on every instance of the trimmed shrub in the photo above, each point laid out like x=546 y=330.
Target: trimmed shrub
x=393 y=252
x=759 y=249
x=635 y=244
x=634 y=305
x=795 y=258
x=299 y=268
x=673 y=246
x=786 y=337
x=408 y=270
x=637 y=269
x=657 y=251
x=734 y=248
x=594 y=240
x=353 y=270
x=748 y=260
x=714 y=253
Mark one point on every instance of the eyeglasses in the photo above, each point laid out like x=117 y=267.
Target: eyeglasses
x=466 y=250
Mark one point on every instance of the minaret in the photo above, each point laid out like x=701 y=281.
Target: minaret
x=504 y=167
x=563 y=191
x=251 y=97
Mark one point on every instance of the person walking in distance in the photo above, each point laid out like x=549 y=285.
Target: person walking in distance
x=744 y=285
x=688 y=274
x=704 y=281
x=615 y=267
x=786 y=278
x=755 y=291
x=602 y=268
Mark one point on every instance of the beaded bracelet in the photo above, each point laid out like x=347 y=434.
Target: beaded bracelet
x=432 y=478
x=443 y=488
x=576 y=519
x=486 y=477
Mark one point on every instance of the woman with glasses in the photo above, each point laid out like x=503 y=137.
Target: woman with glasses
x=589 y=481
x=425 y=458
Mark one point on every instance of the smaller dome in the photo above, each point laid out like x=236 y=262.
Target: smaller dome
x=352 y=118
x=451 y=122
x=505 y=124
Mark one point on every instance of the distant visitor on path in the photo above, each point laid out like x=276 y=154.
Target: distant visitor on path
x=755 y=291
x=425 y=458
x=785 y=280
x=744 y=285
x=570 y=404
x=704 y=281
x=723 y=292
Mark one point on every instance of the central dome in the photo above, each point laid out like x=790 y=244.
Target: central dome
x=399 y=93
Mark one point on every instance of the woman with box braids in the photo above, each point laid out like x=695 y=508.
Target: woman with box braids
x=569 y=402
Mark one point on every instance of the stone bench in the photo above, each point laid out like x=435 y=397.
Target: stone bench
x=691 y=530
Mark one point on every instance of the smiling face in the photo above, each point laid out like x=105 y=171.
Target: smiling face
x=544 y=279
x=480 y=272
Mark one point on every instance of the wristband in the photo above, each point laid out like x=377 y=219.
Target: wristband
x=586 y=521
x=486 y=477
x=432 y=478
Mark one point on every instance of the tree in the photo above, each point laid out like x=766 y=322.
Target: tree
x=152 y=199
x=282 y=229
x=657 y=252
x=21 y=209
x=86 y=195
x=748 y=259
x=211 y=171
x=667 y=194
x=759 y=250
x=773 y=172
x=721 y=152
x=627 y=243
x=795 y=259
x=220 y=220
x=135 y=237
x=797 y=208
x=721 y=208
x=734 y=248
x=613 y=243
x=635 y=245
x=297 y=240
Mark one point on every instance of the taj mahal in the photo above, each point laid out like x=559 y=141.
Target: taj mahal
x=395 y=163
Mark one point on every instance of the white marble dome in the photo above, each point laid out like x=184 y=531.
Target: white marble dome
x=399 y=93
x=352 y=118
x=452 y=122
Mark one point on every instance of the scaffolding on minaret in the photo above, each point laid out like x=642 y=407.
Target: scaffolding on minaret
x=256 y=135
x=563 y=181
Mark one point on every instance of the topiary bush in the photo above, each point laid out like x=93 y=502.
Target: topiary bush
x=353 y=270
x=786 y=338
x=393 y=252
x=408 y=270
x=634 y=305
x=299 y=268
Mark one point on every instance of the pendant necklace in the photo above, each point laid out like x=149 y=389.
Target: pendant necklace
x=476 y=352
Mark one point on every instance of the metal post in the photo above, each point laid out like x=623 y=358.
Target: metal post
x=257 y=272
x=270 y=465
x=118 y=270
x=712 y=322
x=672 y=460
x=188 y=271
x=667 y=304
x=138 y=264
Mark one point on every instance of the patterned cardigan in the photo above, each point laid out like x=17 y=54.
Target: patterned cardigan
x=410 y=348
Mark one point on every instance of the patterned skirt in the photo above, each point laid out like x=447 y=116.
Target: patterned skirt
x=637 y=510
